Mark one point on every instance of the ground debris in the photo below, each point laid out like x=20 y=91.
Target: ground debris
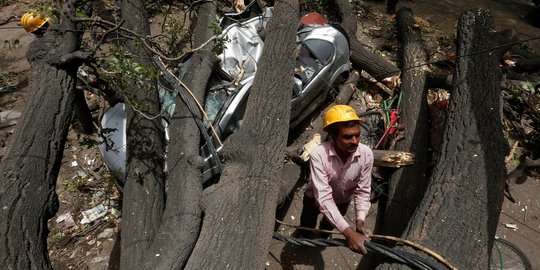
x=9 y=118
x=511 y=226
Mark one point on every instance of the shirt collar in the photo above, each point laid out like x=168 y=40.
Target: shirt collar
x=332 y=150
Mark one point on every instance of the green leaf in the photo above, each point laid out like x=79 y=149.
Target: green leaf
x=527 y=86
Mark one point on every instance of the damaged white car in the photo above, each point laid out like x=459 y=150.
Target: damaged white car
x=322 y=63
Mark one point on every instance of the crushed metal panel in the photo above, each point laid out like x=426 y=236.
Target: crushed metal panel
x=244 y=46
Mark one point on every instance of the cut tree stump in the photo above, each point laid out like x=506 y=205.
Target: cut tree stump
x=407 y=186
x=460 y=210
x=392 y=159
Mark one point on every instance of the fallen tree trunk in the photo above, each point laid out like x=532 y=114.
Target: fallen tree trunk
x=376 y=65
x=381 y=158
x=406 y=186
x=460 y=211
x=347 y=89
x=512 y=75
x=29 y=169
x=165 y=216
x=144 y=190
x=434 y=80
x=527 y=65
x=182 y=216
x=240 y=209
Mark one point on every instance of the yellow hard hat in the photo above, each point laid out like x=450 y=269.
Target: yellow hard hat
x=32 y=22
x=339 y=113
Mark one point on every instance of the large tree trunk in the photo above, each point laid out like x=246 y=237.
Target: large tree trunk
x=407 y=185
x=29 y=170
x=240 y=209
x=181 y=221
x=461 y=208
x=144 y=191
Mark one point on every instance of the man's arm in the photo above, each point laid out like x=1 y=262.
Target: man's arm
x=362 y=204
x=362 y=191
x=323 y=194
x=355 y=240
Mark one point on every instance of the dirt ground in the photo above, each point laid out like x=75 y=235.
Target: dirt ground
x=84 y=182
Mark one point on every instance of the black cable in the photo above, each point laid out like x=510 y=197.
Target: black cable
x=421 y=261
x=401 y=256
x=321 y=242
x=404 y=256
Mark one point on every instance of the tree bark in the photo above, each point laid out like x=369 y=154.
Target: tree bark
x=459 y=213
x=434 y=80
x=144 y=191
x=391 y=6
x=31 y=165
x=407 y=186
x=347 y=89
x=181 y=220
x=82 y=112
x=240 y=209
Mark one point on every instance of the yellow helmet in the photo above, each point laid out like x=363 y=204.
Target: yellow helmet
x=32 y=22
x=339 y=113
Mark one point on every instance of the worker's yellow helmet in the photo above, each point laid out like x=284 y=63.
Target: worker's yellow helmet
x=339 y=113
x=32 y=22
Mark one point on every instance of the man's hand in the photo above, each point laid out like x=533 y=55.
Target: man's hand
x=361 y=229
x=355 y=240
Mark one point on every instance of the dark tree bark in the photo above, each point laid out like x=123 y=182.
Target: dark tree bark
x=376 y=65
x=347 y=89
x=144 y=191
x=181 y=220
x=461 y=208
x=391 y=6
x=82 y=112
x=527 y=65
x=240 y=209
x=29 y=170
x=407 y=186
x=434 y=80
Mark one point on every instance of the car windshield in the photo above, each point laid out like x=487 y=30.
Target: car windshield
x=216 y=98
x=321 y=49
x=221 y=102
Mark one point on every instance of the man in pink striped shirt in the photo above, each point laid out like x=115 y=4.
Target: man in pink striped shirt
x=340 y=170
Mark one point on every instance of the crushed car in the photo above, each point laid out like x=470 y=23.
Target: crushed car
x=322 y=63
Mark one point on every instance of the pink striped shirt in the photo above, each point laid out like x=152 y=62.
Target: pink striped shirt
x=333 y=182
